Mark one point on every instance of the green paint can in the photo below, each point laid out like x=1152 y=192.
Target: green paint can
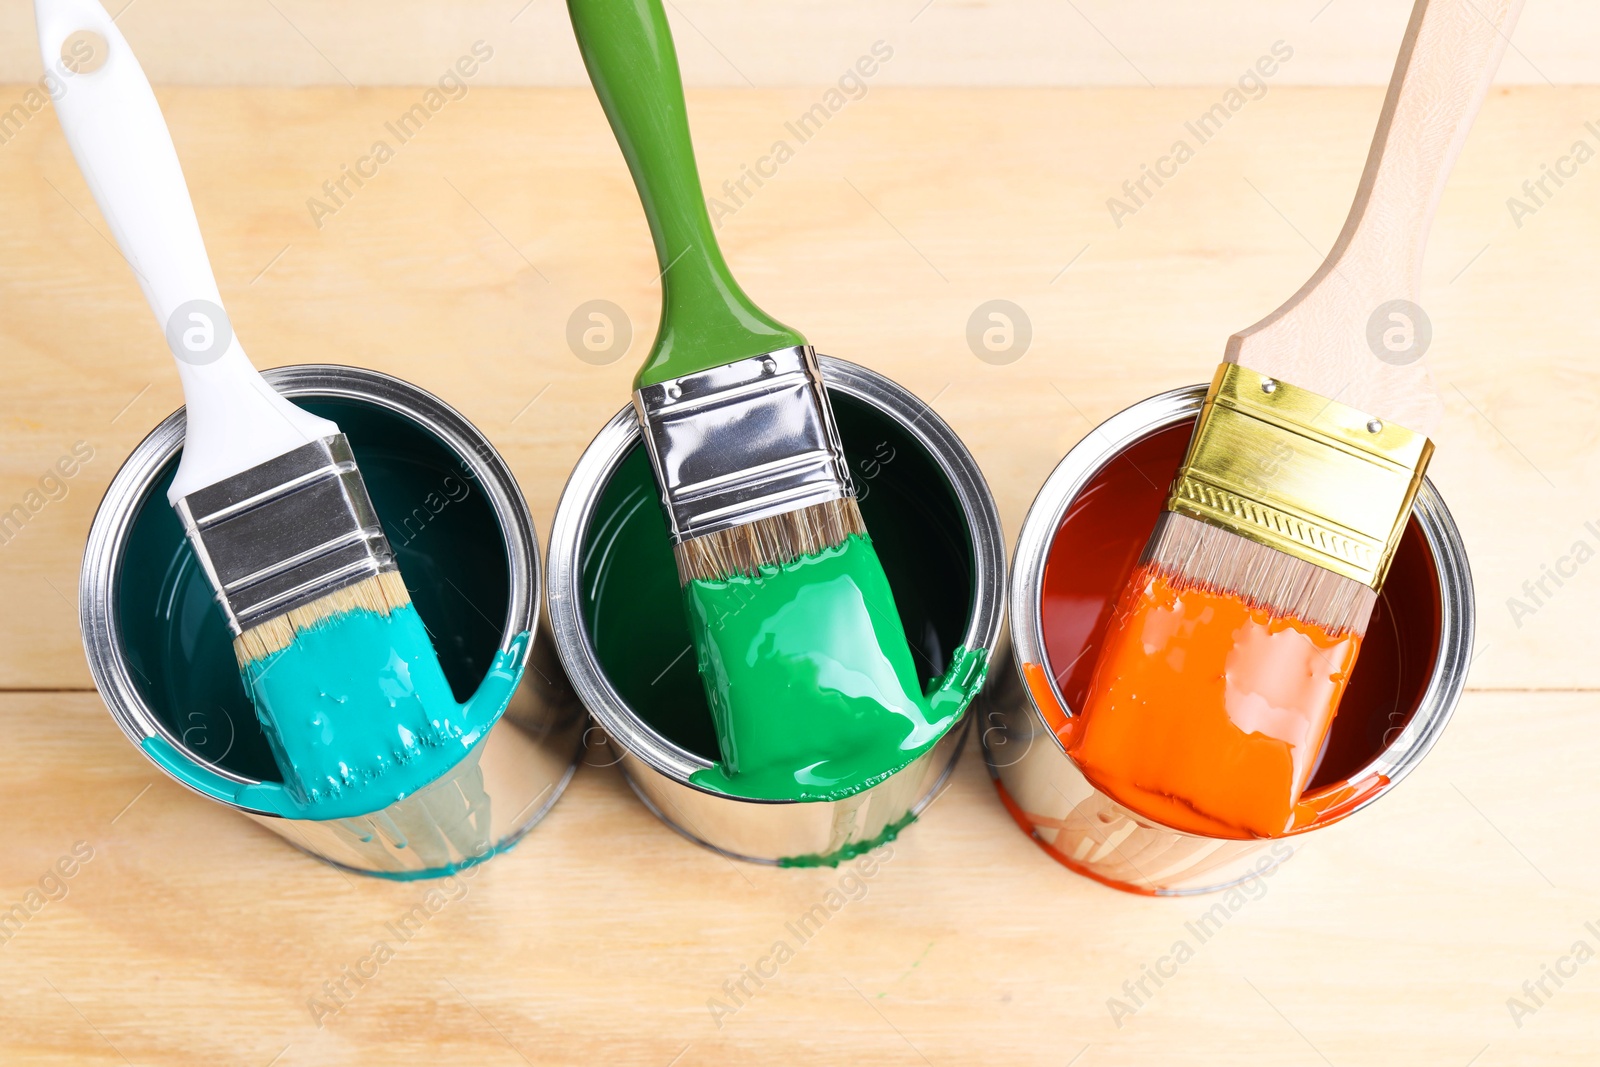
x=161 y=653
x=618 y=624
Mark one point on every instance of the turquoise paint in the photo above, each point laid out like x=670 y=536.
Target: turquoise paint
x=450 y=549
x=358 y=708
x=811 y=682
x=632 y=603
x=443 y=742
x=447 y=820
x=445 y=870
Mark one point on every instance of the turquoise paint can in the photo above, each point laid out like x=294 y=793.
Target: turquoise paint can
x=162 y=656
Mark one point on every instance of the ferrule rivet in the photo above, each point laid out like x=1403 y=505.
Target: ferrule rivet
x=1269 y=386
x=1374 y=425
x=769 y=367
x=673 y=391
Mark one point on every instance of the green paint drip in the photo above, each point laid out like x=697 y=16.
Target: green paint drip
x=854 y=849
x=360 y=717
x=812 y=688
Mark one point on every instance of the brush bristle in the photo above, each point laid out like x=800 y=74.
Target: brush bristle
x=1199 y=555
x=772 y=541
x=382 y=593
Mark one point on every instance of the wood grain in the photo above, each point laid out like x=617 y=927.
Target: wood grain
x=803 y=42
x=194 y=937
x=460 y=264
x=1319 y=339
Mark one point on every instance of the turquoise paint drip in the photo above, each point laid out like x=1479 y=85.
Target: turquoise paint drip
x=360 y=718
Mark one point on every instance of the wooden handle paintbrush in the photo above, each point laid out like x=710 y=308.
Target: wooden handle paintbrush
x=1226 y=656
x=805 y=664
x=342 y=673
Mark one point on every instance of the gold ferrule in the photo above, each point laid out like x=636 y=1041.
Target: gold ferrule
x=1300 y=473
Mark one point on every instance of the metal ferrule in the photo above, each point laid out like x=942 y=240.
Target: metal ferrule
x=527 y=757
x=286 y=532
x=1084 y=828
x=1295 y=471
x=658 y=768
x=742 y=442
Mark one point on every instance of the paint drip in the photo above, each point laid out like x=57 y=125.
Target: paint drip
x=359 y=716
x=1208 y=713
x=810 y=679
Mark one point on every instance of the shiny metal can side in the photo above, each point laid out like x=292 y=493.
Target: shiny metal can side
x=938 y=532
x=1428 y=605
x=161 y=656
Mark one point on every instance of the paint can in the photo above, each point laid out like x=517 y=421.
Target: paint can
x=616 y=608
x=162 y=657
x=1077 y=548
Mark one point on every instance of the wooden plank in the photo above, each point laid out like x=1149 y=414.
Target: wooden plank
x=804 y=42
x=193 y=936
x=460 y=264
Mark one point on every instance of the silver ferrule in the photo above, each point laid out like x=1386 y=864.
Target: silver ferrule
x=286 y=532
x=741 y=442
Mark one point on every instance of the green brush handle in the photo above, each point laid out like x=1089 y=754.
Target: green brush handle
x=706 y=319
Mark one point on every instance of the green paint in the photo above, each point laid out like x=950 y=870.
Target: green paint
x=914 y=965
x=633 y=608
x=632 y=604
x=706 y=319
x=854 y=849
x=812 y=688
x=450 y=550
x=458 y=731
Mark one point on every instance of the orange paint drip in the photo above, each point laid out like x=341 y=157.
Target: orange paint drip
x=1025 y=821
x=1209 y=714
x=1044 y=698
x=1329 y=805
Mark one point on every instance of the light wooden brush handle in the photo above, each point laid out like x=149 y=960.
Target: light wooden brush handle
x=1319 y=339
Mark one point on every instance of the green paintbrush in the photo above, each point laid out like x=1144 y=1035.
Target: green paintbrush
x=804 y=660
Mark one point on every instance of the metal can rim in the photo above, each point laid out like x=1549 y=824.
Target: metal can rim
x=581 y=494
x=1457 y=618
x=99 y=596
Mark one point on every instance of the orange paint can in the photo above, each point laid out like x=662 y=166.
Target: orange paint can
x=1078 y=547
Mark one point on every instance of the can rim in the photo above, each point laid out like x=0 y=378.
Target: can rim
x=1457 y=615
x=99 y=596
x=581 y=494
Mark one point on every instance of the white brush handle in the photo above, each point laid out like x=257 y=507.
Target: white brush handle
x=111 y=119
x=1319 y=339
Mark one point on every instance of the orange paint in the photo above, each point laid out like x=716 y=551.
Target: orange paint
x=1091 y=561
x=1208 y=713
x=1335 y=802
x=1044 y=698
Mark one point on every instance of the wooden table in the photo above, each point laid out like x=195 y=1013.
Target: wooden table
x=193 y=937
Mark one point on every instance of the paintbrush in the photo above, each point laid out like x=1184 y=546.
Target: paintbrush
x=745 y=450
x=1226 y=656
x=269 y=494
